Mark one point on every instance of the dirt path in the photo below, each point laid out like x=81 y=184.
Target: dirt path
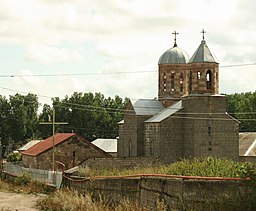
x=18 y=201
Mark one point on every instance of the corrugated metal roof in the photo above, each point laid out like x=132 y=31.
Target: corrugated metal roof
x=147 y=107
x=108 y=145
x=165 y=113
x=29 y=144
x=174 y=55
x=203 y=54
x=47 y=144
x=247 y=142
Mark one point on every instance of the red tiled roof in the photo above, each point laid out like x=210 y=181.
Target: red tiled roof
x=47 y=144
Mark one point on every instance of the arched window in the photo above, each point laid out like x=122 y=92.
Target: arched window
x=164 y=82
x=198 y=75
x=209 y=79
x=181 y=82
x=172 y=82
x=190 y=81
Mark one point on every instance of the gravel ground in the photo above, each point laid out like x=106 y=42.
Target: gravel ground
x=18 y=201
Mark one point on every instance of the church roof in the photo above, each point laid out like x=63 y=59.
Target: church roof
x=165 y=113
x=174 y=55
x=203 y=54
x=147 y=106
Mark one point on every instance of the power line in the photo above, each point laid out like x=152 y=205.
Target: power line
x=72 y=74
x=104 y=73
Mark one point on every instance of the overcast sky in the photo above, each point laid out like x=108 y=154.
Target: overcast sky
x=96 y=38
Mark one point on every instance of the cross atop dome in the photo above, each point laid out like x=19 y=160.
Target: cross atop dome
x=175 y=35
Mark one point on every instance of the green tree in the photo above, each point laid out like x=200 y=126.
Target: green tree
x=90 y=114
x=243 y=107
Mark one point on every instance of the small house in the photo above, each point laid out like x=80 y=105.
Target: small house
x=70 y=149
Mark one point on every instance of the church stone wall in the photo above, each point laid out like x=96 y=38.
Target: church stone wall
x=177 y=73
x=171 y=140
x=152 y=139
x=127 y=143
x=208 y=130
x=131 y=134
x=198 y=80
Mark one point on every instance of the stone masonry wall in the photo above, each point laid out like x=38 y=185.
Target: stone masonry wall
x=148 y=191
x=120 y=162
x=71 y=153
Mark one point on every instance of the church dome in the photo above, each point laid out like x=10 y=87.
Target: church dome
x=174 y=55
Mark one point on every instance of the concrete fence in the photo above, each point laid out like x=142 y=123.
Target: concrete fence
x=149 y=190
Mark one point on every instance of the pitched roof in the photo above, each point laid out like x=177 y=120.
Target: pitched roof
x=28 y=145
x=247 y=142
x=165 y=113
x=203 y=54
x=47 y=144
x=108 y=145
x=147 y=106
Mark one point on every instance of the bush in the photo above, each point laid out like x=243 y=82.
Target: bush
x=23 y=179
x=14 y=157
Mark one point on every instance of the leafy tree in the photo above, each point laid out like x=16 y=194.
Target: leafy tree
x=243 y=107
x=91 y=115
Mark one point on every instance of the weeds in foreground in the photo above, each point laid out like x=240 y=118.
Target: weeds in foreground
x=211 y=167
x=30 y=187
x=72 y=200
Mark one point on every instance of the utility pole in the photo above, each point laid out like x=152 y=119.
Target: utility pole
x=53 y=123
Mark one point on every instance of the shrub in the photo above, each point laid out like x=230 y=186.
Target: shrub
x=14 y=157
x=23 y=179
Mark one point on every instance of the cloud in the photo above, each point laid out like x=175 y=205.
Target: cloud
x=49 y=54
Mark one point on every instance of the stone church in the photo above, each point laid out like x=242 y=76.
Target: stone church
x=188 y=119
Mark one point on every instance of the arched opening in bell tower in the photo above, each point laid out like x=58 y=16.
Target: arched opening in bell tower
x=209 y=79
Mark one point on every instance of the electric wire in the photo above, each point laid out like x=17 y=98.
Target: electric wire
x=104 y=73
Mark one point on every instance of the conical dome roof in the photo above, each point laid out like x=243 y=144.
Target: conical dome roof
x=174 y=55
x=203 y=54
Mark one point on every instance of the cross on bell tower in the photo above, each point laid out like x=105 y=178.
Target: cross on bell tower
x=175 y=35
x=203 y=32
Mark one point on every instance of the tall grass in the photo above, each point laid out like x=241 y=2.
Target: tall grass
x=72 y=200
x=211 y=167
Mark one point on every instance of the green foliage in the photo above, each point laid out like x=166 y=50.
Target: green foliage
x=243 y=107
x=208 y=167
x=23 y=179
x=91 y=115
x=14 y=157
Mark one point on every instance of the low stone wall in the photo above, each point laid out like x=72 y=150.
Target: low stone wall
x=120 y=162
x=149 y=190
x=251 y=159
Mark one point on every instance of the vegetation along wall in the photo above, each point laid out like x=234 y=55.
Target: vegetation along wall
x=149 y=190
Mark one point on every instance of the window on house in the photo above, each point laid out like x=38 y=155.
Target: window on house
x=74 y=158
x=209 y=79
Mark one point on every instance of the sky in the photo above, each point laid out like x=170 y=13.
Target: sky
x=53 y=48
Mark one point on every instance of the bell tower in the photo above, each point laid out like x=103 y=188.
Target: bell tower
x=203 y=71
